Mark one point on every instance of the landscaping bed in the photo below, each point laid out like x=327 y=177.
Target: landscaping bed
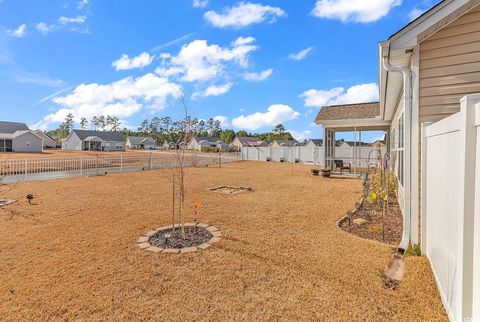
x=371 y=224
x=194 y=236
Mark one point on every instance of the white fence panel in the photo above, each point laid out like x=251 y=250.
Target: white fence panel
x=17 y=170
x=448 y=205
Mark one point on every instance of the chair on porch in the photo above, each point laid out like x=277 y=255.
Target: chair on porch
x=343 y=166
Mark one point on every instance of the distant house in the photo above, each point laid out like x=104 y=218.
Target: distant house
x=265 y=144
x=48 y=142
x=379 y=144
x=314 y=142
x=200 y=142
x=244 y=141
x=17 y=137
x=284 y=143
x=84 y=140
x=141 y=143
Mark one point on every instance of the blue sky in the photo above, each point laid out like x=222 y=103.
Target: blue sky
x=249 y=64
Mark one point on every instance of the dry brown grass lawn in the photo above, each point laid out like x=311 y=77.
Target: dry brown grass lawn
x=72 y=255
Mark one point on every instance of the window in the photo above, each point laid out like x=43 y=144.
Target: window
x=29 y=144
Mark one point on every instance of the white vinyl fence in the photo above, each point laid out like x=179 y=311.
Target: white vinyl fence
x=451 y=212
x=17 y=170
x=307 y=154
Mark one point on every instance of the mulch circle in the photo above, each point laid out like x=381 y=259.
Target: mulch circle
x=197 y=236
x=194 y=236
x=228 y=190
x=374 y=225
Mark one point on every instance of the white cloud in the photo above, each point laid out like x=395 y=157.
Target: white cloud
x=20 y=32
x=415 y=13
x=69 y=20
x=82 y=4
x=122 y=98
x=218 y=90
x=28 y=78
x=361 y=93
x=257 y=77
x=300 y=135
x=275 y=114
x=200 y=3
x=125 y=63
x=44 y=29
x=200 y=62
x=243 y=14
x=354 y=10
x=223 y=120
x=302 y=54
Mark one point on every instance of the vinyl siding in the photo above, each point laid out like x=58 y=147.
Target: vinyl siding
x=20 y=143
x=450 y=67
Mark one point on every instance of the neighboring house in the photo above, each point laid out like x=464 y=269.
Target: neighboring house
x=379 y=144
x=17 y=137
x=425 y=70
x=48 y=142
x=141 y=143
x=243 y=141
x=265 y=144
x=201 y=142
x=314 y=143
x=284 y=143
x=85 y=140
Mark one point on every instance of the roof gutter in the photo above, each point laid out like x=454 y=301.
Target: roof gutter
x=407 y=115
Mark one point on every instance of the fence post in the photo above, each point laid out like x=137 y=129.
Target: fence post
x=26 y=168
x=121 y=163
x=150 y=161
x=81 y=166
x=423 y=212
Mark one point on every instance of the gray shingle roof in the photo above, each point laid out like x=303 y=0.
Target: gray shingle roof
x=136 y=140
x=106 y=136
x=248 y=139
x=317 y=142
x=208 y=139
x=12 y=127
x=349 y=112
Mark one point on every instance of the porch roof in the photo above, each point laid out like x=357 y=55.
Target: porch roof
x=350 y=117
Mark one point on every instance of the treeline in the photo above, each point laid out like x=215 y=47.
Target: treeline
x=166 y=129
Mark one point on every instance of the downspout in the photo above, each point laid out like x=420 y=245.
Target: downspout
x=407 y=102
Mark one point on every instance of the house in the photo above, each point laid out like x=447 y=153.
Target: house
x=244 y=141
x=379 y=144
x=17 y=137
x=425 y=70
x=141 y=143
x=48 y=142
x=85 y=140
x=284 y=143
x=314 y=143
x=204 y=143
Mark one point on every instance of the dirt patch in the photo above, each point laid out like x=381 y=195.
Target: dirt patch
x=194 y=236
x=226 y=190
x=367 y=222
